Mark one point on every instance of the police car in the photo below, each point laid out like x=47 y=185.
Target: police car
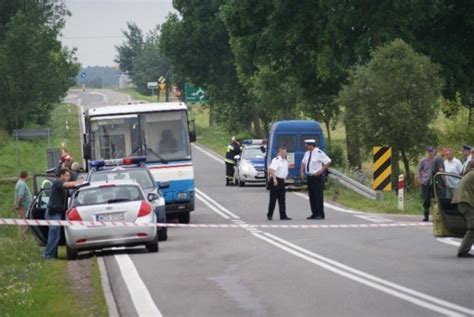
x=132 y=169
x=250 y=166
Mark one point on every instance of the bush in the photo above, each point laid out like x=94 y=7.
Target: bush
x=336 y=153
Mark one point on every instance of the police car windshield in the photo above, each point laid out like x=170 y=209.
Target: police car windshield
x=139 y=175
x=253 y=153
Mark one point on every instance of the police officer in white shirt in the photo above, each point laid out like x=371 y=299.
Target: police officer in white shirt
x=278 y=172
x=314 y=166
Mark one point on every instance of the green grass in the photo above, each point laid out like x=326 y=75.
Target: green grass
x=140 y=97
x=339 y=194
x=27 y=282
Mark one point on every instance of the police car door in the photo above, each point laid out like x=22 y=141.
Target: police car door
x=447 y=220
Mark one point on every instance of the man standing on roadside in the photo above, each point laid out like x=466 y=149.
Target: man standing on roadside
x=56 y=209
x=314 y=165
x=278 y=172
x=22 y=198
x=464 y=198
x=467 y=153
x=423 y=175
x=438 y=163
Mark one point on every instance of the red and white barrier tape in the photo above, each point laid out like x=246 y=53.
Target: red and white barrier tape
x=67 y=223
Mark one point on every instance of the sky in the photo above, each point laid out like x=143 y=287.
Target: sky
x=95 y=25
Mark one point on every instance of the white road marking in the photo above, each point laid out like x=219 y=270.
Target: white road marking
x=217 y=211
x=412 y=296
x=452 y=241
x=109 y=296
x=231 y=214
x=418 y=298
x=141 y=298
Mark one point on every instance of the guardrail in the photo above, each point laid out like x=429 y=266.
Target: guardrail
x=354 y=185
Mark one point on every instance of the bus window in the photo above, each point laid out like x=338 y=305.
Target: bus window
x=166 y=136
x=287 y=141
x=114 y=137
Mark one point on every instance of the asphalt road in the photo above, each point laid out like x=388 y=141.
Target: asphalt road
x=355 y=266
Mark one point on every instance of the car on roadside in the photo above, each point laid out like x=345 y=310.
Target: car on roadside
x=105 y=170
x=102 y=202
x=250 y=164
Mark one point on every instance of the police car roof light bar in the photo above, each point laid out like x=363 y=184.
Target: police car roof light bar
x=254 y=141
x=138 y=160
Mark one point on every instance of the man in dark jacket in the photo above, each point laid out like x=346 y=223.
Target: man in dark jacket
x=57 y=206
x=233 y=149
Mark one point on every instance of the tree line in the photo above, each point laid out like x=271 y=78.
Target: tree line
x=385 y=68
x=35 y=69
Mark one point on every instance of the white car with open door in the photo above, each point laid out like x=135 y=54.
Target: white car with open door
x=120 y=201
x=447 y=220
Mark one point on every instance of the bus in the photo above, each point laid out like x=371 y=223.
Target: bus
x=160 y=132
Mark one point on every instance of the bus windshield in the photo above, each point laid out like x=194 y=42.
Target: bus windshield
x=160 y=136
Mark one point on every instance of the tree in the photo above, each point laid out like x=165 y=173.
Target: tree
x=150 y=64
x=197 y=44
x=35 y=70
x=130 y=49
x=395 y=97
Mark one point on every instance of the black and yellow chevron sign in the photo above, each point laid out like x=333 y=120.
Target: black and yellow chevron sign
x=382 y=168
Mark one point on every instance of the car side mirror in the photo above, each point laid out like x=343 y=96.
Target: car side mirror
x=152 y=197
x=237 y=157
x=86 y=149
x=164 y=185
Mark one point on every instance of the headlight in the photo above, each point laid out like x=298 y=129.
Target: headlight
x=182 y=195
x=247 y=167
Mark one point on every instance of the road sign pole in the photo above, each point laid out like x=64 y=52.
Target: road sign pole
x=17 y=153
x=401 y=188
x=167 y=91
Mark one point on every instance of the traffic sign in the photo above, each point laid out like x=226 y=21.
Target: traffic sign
x=162 y=86
x=382 y=168
x=194 y=94
x=162 y=79
x=152 y=85
x=83 y=75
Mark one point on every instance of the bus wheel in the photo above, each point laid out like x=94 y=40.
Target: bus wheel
x=184 y=217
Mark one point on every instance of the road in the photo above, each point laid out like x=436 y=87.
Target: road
x=355 y=266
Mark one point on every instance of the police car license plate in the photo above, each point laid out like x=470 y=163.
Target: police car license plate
x=291 y=160
x=260 y=174
x=116 y=216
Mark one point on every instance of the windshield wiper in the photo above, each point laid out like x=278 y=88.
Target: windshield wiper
x=157 y=155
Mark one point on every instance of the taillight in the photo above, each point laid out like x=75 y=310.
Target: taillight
x=73 y=215
x=145 y=209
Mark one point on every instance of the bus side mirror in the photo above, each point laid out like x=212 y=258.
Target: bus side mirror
x=86 y=149
x=192 y=131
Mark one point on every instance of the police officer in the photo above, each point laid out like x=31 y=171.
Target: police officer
x=314 y=166
x=233 y=149
x=278 y=172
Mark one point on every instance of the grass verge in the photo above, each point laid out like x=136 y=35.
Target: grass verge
x=27 y=282
x=139 y=97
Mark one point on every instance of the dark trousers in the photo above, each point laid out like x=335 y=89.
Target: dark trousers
x=316 y=195
x=229 y=172
x=426 y=194
x=277 y=192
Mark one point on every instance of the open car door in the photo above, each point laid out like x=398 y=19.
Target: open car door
x=447 y=220
x=42 y=188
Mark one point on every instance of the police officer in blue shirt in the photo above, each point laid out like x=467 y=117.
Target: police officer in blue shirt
x=314 y=166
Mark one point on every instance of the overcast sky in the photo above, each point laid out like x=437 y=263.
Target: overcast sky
x=94 y=27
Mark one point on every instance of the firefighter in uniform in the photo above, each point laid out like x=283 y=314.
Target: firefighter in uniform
x=233 y=149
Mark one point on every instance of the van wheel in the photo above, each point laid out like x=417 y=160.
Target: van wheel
x=163 y=234
x=184 y=217
x=71 y=254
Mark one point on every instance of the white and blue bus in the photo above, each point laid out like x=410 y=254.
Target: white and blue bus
x=158 y=131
